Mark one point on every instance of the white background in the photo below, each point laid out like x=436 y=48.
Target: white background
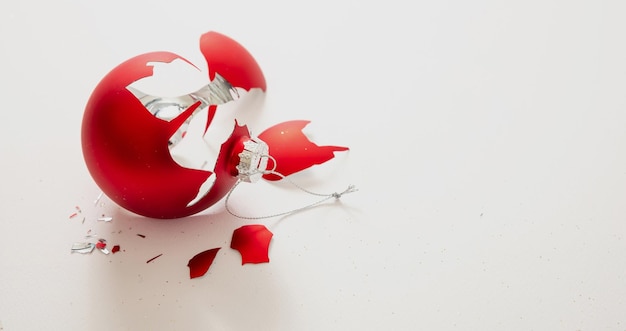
x=487 y=140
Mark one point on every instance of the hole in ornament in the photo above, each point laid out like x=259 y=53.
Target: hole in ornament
x=174 y=87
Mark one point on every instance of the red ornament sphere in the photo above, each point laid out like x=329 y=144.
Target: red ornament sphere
x=126 y=142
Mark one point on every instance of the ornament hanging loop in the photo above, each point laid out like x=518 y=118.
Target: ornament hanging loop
x=336 y=195
x=351 y=188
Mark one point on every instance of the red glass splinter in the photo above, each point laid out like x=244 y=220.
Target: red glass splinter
x=252 y=242
x=231 y=60
x=101 y=244
x=292 y=150
x=154 y=258
x=200 y=264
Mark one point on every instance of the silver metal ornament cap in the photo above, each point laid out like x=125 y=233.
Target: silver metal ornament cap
x=253 y=160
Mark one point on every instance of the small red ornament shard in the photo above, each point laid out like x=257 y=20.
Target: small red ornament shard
x=200 y=264
x=292 y=150
x=101 y=244
x=115 y=249
x=252 y=242
x=154 y=258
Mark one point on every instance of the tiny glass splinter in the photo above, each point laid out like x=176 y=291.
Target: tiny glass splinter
x=95 y=202
x=154 y=258
x=105 y=219
x=78 y=211
x=83 y=247
x=102 y=246
x=140 y=120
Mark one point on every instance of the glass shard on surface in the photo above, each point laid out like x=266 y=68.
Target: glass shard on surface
x=102 y=246
x=252 y=242
x=95 y=202
x=83 y=247
x=154 y=258
x=76 y=213
x=200 y=264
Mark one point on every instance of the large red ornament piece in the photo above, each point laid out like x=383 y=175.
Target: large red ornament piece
x=126 y=146
x=292 y=150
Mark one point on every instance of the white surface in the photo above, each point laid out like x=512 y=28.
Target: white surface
x=487 y=139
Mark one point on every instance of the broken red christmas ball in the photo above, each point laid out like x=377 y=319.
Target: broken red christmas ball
x=144 y=132
x=132 y=123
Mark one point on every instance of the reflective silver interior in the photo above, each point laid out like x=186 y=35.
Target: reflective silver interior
x=218 y=92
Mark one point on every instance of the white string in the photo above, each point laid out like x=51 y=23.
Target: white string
x=336 y=195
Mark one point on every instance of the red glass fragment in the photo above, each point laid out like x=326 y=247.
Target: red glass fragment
x=200 y=264
x=78 y=211
x=101 y=244
x=232 y=61
x=115 y=249
x=292 y=150
x=140 y=235
x=126 y=147
x=252 y=242
x=154 y=258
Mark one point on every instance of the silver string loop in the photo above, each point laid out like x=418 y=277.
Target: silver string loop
x=336 y=195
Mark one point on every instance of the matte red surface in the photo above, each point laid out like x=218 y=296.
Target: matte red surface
x=292 y=150
x=126 y=148
x=252 y=242
x=232 y=61
x=200 y=264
